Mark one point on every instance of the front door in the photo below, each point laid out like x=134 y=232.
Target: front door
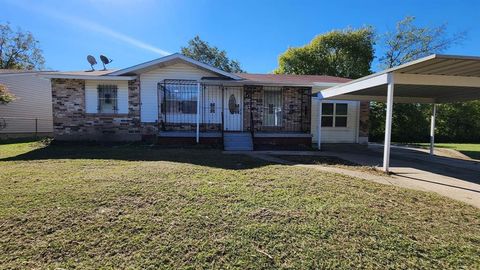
x=233 y=109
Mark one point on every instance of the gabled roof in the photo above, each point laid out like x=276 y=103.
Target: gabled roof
x=172 y=59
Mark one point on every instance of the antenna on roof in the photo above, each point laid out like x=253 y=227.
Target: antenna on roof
x=92 y=61
x=105 y=61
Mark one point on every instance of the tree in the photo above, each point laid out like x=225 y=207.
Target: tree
x=5 y=95
x=343 y=53
x=407 y=43
x=202 y=51
x=19 y=49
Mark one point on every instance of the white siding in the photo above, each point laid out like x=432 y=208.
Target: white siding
x=33 y=100
x=337 y=134
x=149 y=81
x=91 y=95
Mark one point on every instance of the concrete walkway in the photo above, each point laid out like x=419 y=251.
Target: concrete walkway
x=454 y=178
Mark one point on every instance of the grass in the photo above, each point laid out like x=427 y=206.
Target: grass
x=471 y=150
x=92 y=207
x=330 y=161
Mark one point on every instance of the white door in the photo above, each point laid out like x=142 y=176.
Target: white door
x=233 y=109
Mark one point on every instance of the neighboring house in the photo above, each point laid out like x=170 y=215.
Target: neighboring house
x=31 y=111
x=175 y=99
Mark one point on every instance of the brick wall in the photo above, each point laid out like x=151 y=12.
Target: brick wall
x=296 y=115
x=71 y=122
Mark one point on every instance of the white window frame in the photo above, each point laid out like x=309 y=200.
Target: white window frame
x=334 y=115
x=114 y=99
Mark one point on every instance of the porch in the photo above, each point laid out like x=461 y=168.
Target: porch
x=201 y=112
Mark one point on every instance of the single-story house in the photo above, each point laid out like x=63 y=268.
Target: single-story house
x=30 y=113
x=175 y=99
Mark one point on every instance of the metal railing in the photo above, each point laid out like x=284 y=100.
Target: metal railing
x=25 y=126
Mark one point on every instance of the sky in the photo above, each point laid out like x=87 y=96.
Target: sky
x=254 y=32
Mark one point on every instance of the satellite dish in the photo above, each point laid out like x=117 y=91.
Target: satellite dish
x=92 y=61
x=105 y=61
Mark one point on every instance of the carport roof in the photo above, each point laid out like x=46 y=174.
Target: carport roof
x=432 y=79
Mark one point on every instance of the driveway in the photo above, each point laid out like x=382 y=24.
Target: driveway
x=458 y=179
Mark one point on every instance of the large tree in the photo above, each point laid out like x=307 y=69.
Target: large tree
x=406 y=43
x=19 y=49
x=204 y=52
x=409 y=42
x=344 y=53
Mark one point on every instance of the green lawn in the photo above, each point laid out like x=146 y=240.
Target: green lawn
x=470 y=149
x=91 y=207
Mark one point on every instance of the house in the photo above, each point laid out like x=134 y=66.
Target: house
x=176 y=99
x=30 y=113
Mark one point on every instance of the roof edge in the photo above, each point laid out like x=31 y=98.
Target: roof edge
x=172 y=57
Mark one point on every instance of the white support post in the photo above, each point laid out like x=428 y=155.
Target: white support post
x=319 y=128
x=388 y=124
x=198 y=113
x=432 y=130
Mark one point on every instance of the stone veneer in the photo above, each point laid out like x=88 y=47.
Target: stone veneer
x=71 y=122
x=296 y=109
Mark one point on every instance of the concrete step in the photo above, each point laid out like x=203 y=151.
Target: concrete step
x=238 y=141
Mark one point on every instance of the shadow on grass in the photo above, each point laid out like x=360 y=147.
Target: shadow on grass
x=202 y=156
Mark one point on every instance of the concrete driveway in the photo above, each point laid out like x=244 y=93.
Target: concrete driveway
x=415 y=168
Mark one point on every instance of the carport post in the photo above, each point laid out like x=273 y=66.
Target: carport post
x=319 y=128
x=388 y=123
x=432 y=129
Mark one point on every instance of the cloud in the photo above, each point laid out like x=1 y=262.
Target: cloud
x=92 y=26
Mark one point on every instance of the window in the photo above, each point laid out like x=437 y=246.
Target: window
x=181 y=97
x=107 y=99
x=273 y=112
x=334 y=114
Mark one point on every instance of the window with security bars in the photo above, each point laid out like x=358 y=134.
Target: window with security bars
x=180 y=97
x=334 y=114
x=273 y=112
x=107 y=99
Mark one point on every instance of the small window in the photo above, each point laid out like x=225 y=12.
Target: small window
x=107 y=99
x=212 y=107
x=334 y=114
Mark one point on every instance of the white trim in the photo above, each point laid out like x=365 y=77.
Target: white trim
x=353 y=86
x=170 y=58
x=90 y=77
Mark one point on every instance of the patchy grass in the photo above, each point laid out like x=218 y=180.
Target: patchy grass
x=141 y=207
x=471 y=150
x=330 y=161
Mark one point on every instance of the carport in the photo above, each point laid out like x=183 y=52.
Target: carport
x=434 y=79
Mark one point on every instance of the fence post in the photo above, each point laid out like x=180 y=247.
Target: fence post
x=36 y=128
